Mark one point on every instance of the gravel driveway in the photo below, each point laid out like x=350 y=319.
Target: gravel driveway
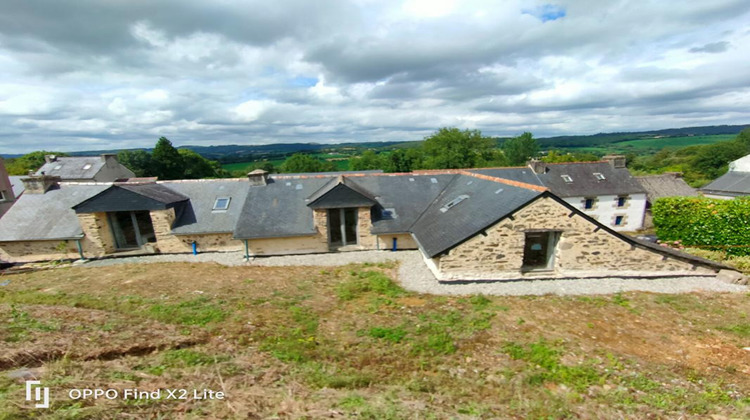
x=415 y=276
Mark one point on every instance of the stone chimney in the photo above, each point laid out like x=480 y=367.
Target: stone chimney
x=50 y=158
x=537 y=166
x=39 y=184
x=258 y=178
x=617 y=161
x=109 y=156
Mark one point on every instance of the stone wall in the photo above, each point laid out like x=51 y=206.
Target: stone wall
x=365 y=238
x=286 y=246
x=210 y=242
x=31 y=251
x=162 y=221
x=98 y=232
x=582 y=251
x=403 y=241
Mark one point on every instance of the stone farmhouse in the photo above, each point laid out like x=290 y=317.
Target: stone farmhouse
x=669 y=184
x=468 y=224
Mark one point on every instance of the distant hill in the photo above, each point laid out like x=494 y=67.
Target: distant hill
x=241 y=153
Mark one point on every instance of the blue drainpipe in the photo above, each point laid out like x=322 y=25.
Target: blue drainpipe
x=395 y=244
x=80 y=249
x=195 y=248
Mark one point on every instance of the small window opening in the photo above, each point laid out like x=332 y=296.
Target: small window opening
x=539 y=250
x=86 y=167
x=567 y=178
x=619 y=220
x=621 y=201
x=222 y=203
x=588 y=204
x=599 y=176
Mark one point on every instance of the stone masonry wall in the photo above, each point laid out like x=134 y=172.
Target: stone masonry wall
x=162 y=221
x=287 y=246
x=30 y=251
x=97 y=230
x=366 y=240
x=580 y=252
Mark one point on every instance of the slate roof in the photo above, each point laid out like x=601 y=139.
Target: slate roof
x=665 y=185
x=401 y=198
x=732 y=183
x=131 y=197
x=15 y=182
x=279 y=209
x=339 y=193
x=484 y=203
x=585 y=183
x=47 y=216
x=198 y=216
x=73 y=167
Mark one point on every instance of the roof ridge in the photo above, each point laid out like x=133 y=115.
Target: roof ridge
x=505 y=181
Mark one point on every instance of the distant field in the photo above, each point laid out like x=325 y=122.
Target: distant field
x=658 y=143
x=342 y=165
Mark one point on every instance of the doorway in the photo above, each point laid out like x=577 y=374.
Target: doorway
x=131 y=229
x=539 y=250
x=342 y=227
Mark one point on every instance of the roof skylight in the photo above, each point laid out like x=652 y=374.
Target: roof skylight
x=222 y=203
x=567 y=178
x=86 y=167
x=454 y=202
x=599 y=176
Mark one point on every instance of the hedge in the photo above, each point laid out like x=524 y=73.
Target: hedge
x=704 y=222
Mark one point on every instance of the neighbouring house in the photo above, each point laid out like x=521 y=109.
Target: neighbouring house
x=604 y=190
x=7 y=193
x=104 y=168
x=734 y=183
x=468 y=225
x=669 y=184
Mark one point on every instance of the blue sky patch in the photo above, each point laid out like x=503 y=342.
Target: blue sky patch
x=304 y=81
x=546 y=12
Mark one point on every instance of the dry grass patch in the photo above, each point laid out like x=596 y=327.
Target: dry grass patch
x=341 y=342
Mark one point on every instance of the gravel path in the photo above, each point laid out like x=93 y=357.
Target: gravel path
x=415 y=276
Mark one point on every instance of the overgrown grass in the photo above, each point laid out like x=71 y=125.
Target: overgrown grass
x=361 y=282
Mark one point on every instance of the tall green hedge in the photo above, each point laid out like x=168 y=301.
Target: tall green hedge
x=704 y=222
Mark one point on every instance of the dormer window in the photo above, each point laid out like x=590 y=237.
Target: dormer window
x=599 y=176
x=222 y=203
x=567 y=178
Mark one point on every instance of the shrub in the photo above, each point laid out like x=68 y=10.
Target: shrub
x=704 y=222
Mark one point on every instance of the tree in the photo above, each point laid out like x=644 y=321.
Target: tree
x=555 y=156
x=167 y=161
x=198 y=167
x=28 y=162
x=368 y=161
x=138 y=161
x=519 y=149
x=451 y=148
x=300 y=162
x=404 y=160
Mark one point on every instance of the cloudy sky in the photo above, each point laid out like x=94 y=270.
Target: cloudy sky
x=94 y=74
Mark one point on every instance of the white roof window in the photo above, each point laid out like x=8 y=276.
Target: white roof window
x=86 y=167
x=222 y=203
x=599 y=176
x=454 y=202
x=567 y=178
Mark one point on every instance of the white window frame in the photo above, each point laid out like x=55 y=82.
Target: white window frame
x=224 y=208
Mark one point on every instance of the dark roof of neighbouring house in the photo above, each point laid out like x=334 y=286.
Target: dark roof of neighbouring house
x=198 y=215
x=76 y=168
x=17 y=185
x=279 y=209
x=48 y=216
x=131 y=197
x=479 y=203
x=665 y=185
x=584 y=183
x=732 y=183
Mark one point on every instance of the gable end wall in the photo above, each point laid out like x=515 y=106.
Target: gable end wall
x=580 y=252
